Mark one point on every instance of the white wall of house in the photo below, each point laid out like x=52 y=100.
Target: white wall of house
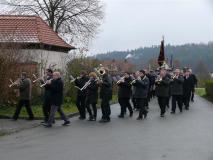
x=45 y=58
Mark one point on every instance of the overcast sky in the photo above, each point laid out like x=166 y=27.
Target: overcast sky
x=130 y=24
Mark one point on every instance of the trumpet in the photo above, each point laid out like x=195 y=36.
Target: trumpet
x=159 y=79
x=36 y=78
x=17 y=82
x=120 y=80
x=88 y=83
x=134 y=81
x=73 y=79
x=174 y=77
x=43 y=85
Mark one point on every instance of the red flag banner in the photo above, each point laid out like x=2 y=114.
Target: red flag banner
x=161 y=58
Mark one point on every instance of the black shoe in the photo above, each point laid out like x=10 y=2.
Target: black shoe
x=131 y=114
x=120 y=116
x=91 y=118
x=31 y=119
x=162 y=115
x=145 y=114
x=102 y=121
x=82 y=118
x=181 y=111
x=139 y=118
x=172 y=112
x=66 y=123
x=14 y=119
x=187 y=108
x=47 y=125
x=44 y=122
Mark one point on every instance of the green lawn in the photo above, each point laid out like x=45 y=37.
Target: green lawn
x=200 y=91
x=68 y=108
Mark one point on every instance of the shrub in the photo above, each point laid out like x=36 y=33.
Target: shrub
x=209 y=88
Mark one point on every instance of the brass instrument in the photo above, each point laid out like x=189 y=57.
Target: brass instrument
x=120 y=80
x=73 y=79
x=134 y=81
x=159 y=79
x=37 y=79
x=87 y=84
x=16 y=83
x=43 y=85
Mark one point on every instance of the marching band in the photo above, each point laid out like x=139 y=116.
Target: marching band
x=139 y=87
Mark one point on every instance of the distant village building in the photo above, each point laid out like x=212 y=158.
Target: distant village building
x=39 y=42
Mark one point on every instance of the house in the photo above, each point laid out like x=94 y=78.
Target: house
x=39 y=43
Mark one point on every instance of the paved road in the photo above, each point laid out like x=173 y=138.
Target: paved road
x=186 y=136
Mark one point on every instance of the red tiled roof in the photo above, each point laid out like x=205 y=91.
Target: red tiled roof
x=29 y=29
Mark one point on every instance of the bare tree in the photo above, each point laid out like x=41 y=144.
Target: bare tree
x=74 y=20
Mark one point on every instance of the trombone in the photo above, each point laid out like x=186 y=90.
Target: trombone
x=17 y=82
x=87 y=84
x=36 y=78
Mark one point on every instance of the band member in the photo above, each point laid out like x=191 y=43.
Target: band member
x=187 y=88
x=124 y=94
x=56 y=91
x=47 y=97
x=105 y=96
x=194 y=81
x=135 y=106
x=92 y=96
x=24 y=87
x=141 y=92
x=81 y=95
x=162 y=90
x=177 y=90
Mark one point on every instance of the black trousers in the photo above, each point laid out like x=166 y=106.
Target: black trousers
x=92 y=112
x=141 y=102
x=179 y=100
x=134 y=103
x=192 y=94
x=105 y=108
x=162 y=101
x=125 y=103
x=80 y=103
x=186 y=100
x=46 y=108
x=22 y=103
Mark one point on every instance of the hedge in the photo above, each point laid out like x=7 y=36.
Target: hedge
x=209 y=88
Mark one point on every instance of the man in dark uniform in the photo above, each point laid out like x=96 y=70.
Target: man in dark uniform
x=194 y=82
x=105 y=96
x=162 y=90
x=141 y=84
x=124 y=94
x=177 y=90
x=24 y=87
x=47 y=98
x=81 y=95
x=187 y=88
x=92 y=97
x=56 y=92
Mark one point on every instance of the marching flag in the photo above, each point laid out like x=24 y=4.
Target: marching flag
x=161 y=58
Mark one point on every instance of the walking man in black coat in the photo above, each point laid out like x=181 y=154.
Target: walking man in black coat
x=187 y=88
x=81 y=95
x=141 y=84
x=24 y=86
x=92 y=97
x=124 y=94
x=47 y=96
x=105 y=96
x=162 y=90
x=56 y=91
x=177 y=90
x=194 y=82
